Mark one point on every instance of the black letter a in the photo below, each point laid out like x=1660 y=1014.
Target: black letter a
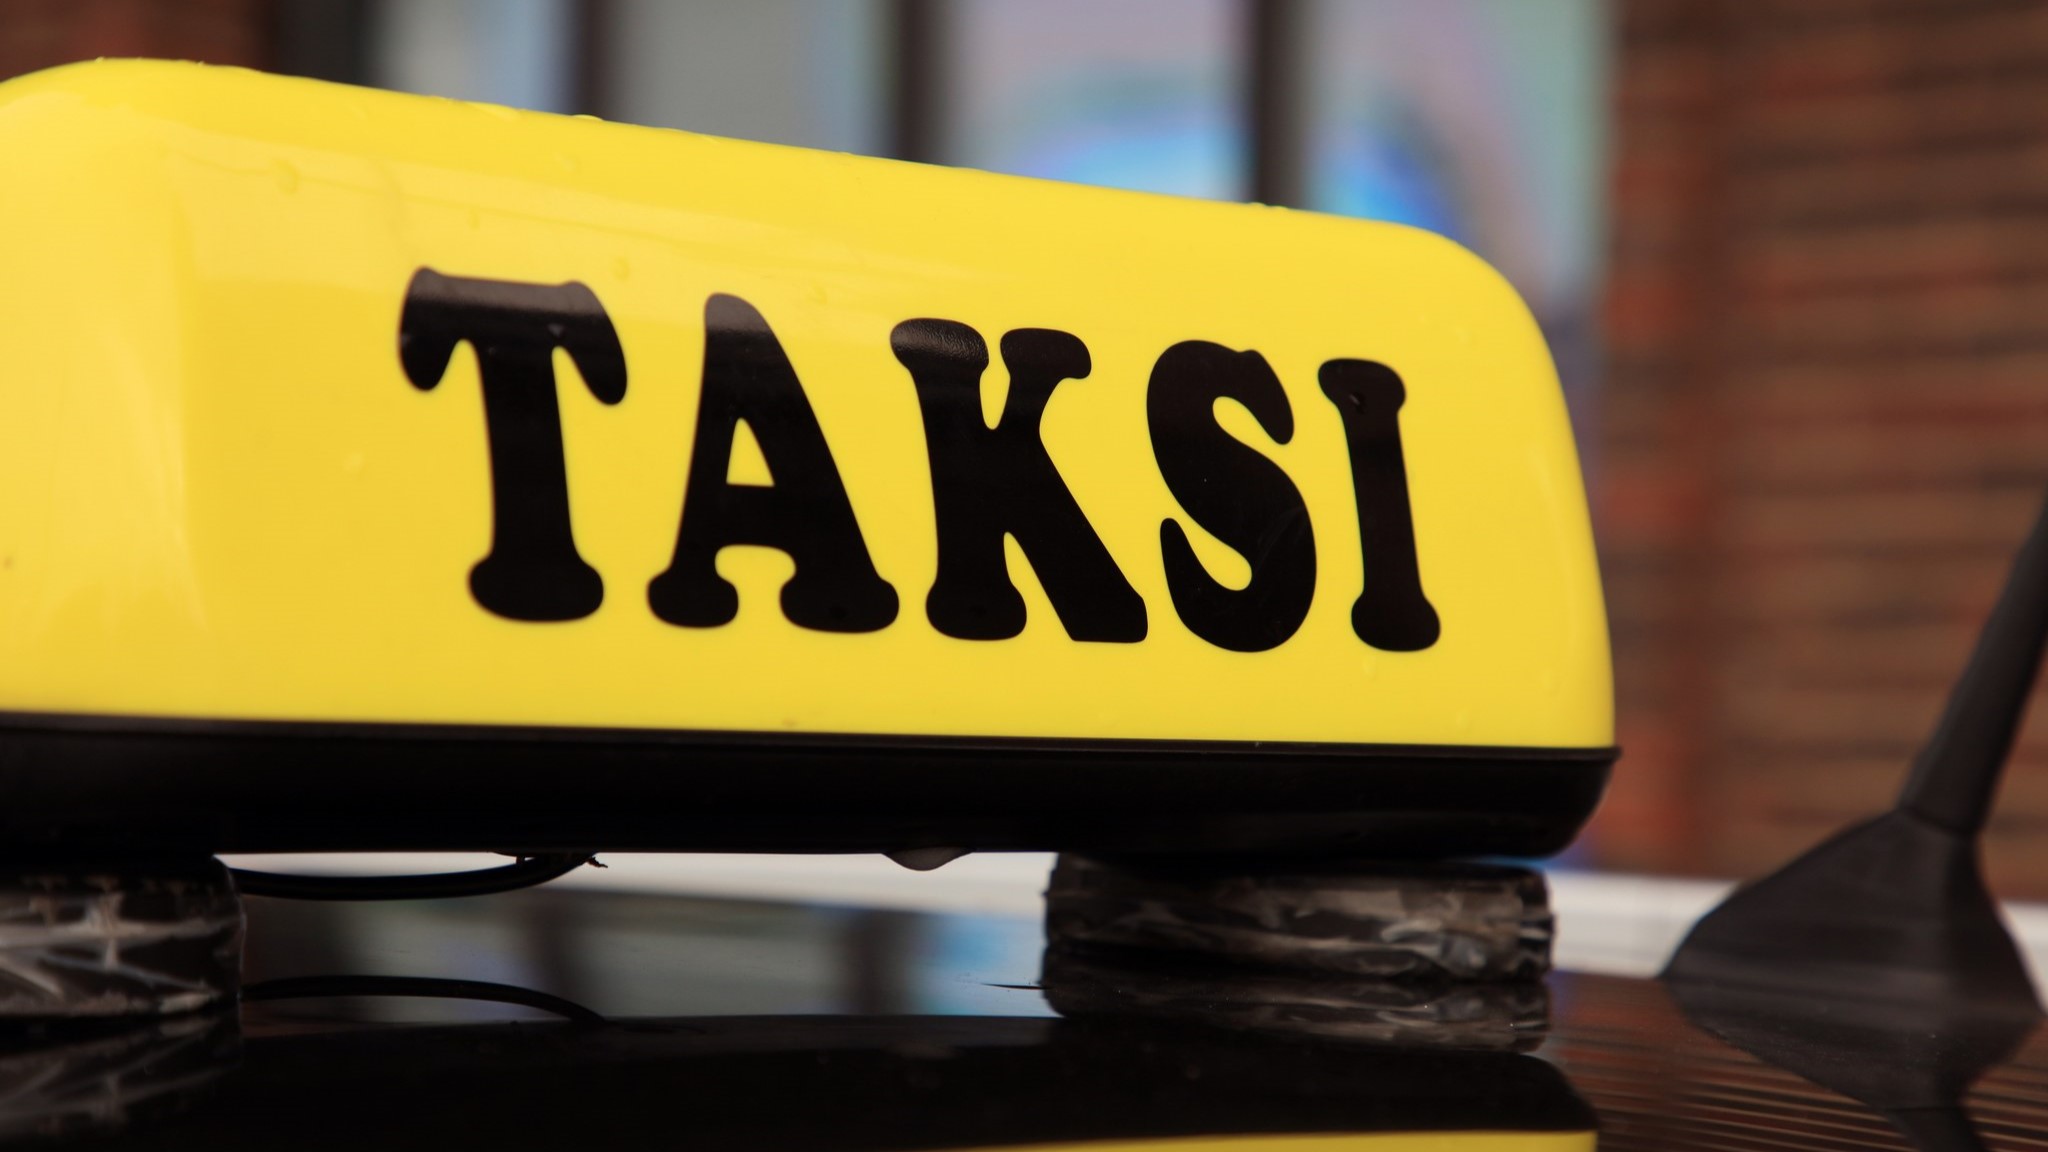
x=804 y=512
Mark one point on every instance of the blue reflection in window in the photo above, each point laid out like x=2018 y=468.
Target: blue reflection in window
x=1140 y=94
x=1387 y=168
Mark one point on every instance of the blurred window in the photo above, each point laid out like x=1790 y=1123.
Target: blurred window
x=1131 y=93
x=512 y=52
x=1483 y=120
x=807 y=72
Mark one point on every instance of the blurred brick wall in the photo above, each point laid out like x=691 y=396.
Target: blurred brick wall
x=1826 y=408
x=41 y=33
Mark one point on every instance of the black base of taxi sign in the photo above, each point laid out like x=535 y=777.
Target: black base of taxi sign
x=97 y=785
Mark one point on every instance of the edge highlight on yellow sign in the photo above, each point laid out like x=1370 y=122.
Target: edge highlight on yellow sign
x=505 y=455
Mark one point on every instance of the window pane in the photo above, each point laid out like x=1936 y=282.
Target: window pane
x=514 y=52
x=1130 y=93
x=805 y=72
x=1480 y=119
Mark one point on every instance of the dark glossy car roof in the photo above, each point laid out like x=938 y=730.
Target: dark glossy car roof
x=665 y=1021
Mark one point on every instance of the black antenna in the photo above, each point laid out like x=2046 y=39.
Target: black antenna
x=1956 y=775
x=1896 y=908
x=1876 y=964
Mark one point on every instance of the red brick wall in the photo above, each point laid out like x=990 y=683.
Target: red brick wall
x=41 y=33
x=1826 y=410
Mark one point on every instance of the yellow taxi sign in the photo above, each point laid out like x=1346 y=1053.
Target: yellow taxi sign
x=336 y=406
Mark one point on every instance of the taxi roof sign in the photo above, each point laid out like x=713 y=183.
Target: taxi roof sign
x=335 y=412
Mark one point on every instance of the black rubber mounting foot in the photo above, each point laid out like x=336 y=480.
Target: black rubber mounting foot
x=137 y=938
x=1371 y=919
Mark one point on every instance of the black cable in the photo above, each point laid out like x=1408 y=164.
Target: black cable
x=427 y=987
x=522 y=873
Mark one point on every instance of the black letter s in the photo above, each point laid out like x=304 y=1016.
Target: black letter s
x=1240 y=496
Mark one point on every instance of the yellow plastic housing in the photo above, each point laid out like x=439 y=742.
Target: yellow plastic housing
x=226 y=493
